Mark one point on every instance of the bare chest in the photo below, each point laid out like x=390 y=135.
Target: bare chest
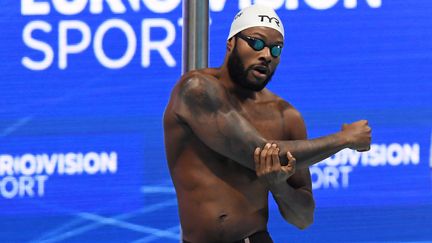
x=265 y=117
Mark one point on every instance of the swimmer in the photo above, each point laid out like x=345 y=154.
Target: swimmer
x=230 y=141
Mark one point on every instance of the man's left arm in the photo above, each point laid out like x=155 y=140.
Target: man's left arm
x=295 y=200
x=294 y=194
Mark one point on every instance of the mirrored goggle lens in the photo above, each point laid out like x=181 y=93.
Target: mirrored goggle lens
x=276 y=51
x=258 y=45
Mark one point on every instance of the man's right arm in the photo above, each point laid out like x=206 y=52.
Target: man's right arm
x=204 y=105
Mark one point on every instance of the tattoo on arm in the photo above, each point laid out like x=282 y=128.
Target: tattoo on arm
x=217 y=123
x=205 y=107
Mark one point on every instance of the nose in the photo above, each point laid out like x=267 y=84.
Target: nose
x=265 y=55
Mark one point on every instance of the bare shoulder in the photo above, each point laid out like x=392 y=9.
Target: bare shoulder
x=200 y=75
x=202 y=80
x=290 y=113
x=195 y=93
x=198 y=92
x=203 y=83
x=294 y=127
x=287 y=109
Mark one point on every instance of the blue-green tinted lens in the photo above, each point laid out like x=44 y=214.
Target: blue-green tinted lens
x=276 y=51
x=258 y=45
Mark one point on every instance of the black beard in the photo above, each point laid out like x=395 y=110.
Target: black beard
x=238 y=73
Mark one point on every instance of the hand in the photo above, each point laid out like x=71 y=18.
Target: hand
x=268 y=167
x=358 y=135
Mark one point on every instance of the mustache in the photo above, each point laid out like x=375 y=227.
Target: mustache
x=263 y=68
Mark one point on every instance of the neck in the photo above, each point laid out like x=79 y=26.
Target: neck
x=232 y=86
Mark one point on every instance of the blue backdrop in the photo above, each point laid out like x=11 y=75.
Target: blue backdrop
x=84 y=84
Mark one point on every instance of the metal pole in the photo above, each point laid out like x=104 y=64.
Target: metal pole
x=195 y=34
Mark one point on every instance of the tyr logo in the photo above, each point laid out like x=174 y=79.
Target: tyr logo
x=270 y=19
x=238 y=15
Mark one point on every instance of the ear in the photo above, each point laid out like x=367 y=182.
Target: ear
x=230 y=44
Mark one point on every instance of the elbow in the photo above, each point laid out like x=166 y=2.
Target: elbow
x=308 y=218
x=302 y=220
x=305 y=222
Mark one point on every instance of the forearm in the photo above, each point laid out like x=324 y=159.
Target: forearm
x=309 y=152
x=295 y=205
x=202 y=104
x=239 y=143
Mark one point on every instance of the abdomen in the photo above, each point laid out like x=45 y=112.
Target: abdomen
x=219 y=200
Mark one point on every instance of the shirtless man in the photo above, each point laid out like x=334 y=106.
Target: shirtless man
x=229 y=141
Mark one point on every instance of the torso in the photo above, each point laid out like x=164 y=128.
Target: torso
x=220 y=200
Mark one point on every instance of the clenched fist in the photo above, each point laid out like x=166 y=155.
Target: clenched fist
x=358 y=135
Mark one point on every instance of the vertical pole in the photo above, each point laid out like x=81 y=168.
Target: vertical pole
x=195 y=34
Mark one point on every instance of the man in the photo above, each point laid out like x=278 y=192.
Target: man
x=229 y=141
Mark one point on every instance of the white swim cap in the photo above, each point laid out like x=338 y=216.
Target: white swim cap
x=253 y=16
